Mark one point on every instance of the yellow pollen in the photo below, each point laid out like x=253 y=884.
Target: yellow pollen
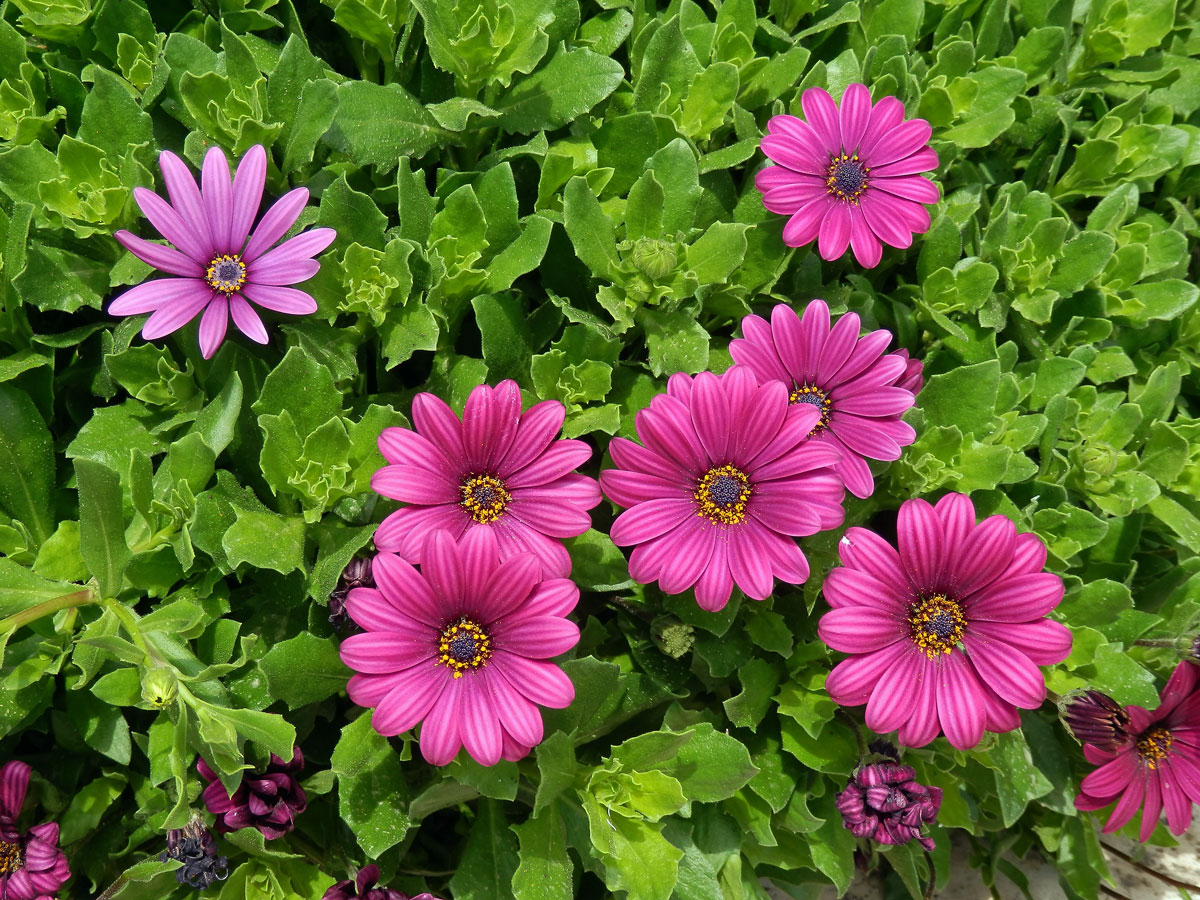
x=463 y=647
x=226 y=273
x=847 y=178
x=936 y=624
x=722 y=493
x=485 y=498
x=813 y=396
x=1154 y=746
x=11 y=858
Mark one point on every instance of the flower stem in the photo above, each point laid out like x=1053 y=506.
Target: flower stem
x=46 y=608
x=1156 y=642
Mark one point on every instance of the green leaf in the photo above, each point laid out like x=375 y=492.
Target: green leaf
x=377 y=124
x=501 y=321
x=677 y=343
x=570 y=84
x=304 y=669
x=964 y=396
x=372 y=793
x=26 y=462
x=102 y=525
x=637 y=858
x=545 y=870
x=490 y=858
x=590 y=230
x=269 y=731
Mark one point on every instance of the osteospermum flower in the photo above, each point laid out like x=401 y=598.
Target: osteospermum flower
x=1158 y=768
x=268 y=801
x=497 y=469
x=31 y=865
x=364 y=887
x=849 y=175
x=462 y=645
x=723 y=484
x=946 y=635
x=860 y=391
x=885 y=802
x=217 y=269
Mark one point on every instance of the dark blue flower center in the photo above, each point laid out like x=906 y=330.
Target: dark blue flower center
x=941 y=624
x=228 y=270
x=484 y=494
x=725 y=491
x=849 y=176
x=463 y=648
x=813 y=399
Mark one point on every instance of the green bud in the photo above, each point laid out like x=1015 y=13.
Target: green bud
x=673 y=637
x=159 y=687
x=654 y=257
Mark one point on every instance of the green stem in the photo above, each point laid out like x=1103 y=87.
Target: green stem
x=46 y=608
x=129 y=622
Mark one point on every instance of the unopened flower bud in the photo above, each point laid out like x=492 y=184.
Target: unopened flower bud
x=654 y=257
x=673 y=637
x=356 y=574
x=883 y=802
x=1097 y=719
x=159 y=687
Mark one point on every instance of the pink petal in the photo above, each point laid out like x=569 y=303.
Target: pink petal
x=630 y=488
x=852 y=680
x=857 y=589
x=866 y=354
x=166 y=259
x=14 y=781
x=247 y=320
x=922 y=726
x=682 y=569
x=1179 y=687
x=910 y=187
x=507 y=586
x=788 y=152
x=1007 y=671
x=479 y=727
x=553 y=597
x=403 y=532
x=247 y=194
x=960 y=700
x=649 y=520
x=280 y=299
x=516 y=537
x=1176 y=802
x=218 y=200
x=518 y=716
x=885 y=115
x=1151 y=807
x=380 y=653
x=1129 y=803
x=855 y=472
x=710 y=407
x=281 y=272
x=883 y=401
x=171 y=225
x=411 y=484
x=489 y=424
x=749 y=560
x=150 y=295
x=1044 y=641
x=1020 y=599
x=302 y=247
x=480 y=550
x=761 y=421
x=788 y=199
x=861 y=629
x=921 y=544
x=1111 y=778
x=805 y=224
x=634 y=457
x=403 y=445
x=715 y=584
x=866 y=551
x=888 y=707
x=560 y=459
x=822 y=114
x=538 y=637
x=440 y=738
x=983 y=555
x=542 y=682
x=539 y=425
x=666 y=428
x=901 y=142
x=854 y=116
x=867 y=249
x=435 y=420
x=185 y=196
x=174 y=315
x=884 y=221
x=835 y=232
x=924 y=160
x=275 y=223
x=213 y=324
x=375 y=612
x=811 y=153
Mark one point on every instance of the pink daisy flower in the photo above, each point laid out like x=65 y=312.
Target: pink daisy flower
x=462 y=645
x=860 y=391
x=723 y=484
x=849 y=175
x=497 y=469
x=31 y=864
x=1156 y=767
x=946 y=635
x=217 y=270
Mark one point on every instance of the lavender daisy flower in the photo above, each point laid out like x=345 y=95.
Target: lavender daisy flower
x=849 y=176
x=217 y=269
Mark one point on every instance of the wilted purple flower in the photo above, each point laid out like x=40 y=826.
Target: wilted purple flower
x=194 y=846
x=363 y=888
x=268 y=802
x=1097 y=719
x=884 y=803
x=217 y=269
x=31 y=865
x=357 y=574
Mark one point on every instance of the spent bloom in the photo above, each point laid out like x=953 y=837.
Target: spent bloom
x=849 y=175
x=463 y=645
x=194 y=846
x=364 y=888
x=220 y=266
x=356 y=574
x=859 y=391
x=1157 y=767
x=31 y=865
x=495 y=469
x=268 y=801
x=885 y=803
x=946 y=635
x=722 y=483
x=1097 y=719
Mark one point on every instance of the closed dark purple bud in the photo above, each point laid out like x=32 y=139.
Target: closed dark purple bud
x=850 y=803
x=268 y=801
x=364 y=887
x=885 y=802
x=869 y=776
x=357 y=574
x=886 y=799
x=1097 y=719
x=864 y=828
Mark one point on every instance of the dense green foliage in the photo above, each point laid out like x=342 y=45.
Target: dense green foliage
x=561 y=192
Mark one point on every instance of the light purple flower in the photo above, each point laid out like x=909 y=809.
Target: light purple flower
x=216 y=268
x=849 y=175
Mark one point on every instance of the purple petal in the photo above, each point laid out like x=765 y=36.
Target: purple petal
x=166 y=259
x=1007 y=671
x=174 y=315
x=247 y=195
x=960 y=700
x=185 y=196
x=910 y=187
x=14 y=781
x=518 y=716
x=301 y=247
x=285 y=271
x=150 y=295
x=901 y=142
x=406 y=589
x=172 y=226
x=213 y=325
x=885 y=116
x=247 y=320
x=218 y=201
x=275 y=223
x=920 y=537
x=280 y=299
x=854 y=116
x=852 y=680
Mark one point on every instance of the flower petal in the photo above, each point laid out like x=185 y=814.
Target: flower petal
x=852 y=680
x=248 y=184
x=1020 y=599
x=439 y=739
x=172 y=226
x=217 y=193
x=538 y=637
x=822 y=114
x=479 y=726
x=14 y=781
x=854 y=116
x=542 y=682
x=1112 y=777
x=150 y=295
x=213 y=325
x=960 y=700
x=910 y=187
x=275 y=223
x=247 y=320
x=901 y=142
x=166 y=259
x=280 y=299
x=835 y=232
x=383 y=652
x=919 y=533
x=174 y=315
x=804 y=226
x=861 y=629
x=1006 y=670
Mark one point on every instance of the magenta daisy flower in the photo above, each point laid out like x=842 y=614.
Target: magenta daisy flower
x=860 y=391
x=268 y=800
x=849 y=175
x=497 y=469
x=31 y=865
x=463 y=645
x=217 y=269
x=723 y=484
x=946 y=635
x=1156 y=768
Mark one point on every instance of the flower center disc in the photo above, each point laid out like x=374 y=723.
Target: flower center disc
x=11 y=857
x=722 y=493
x=485 y=498
x=813 y=396
x=464 y=646
x=847 y=177
x=936 y=624
x=1154 y=746
x=226 y=273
